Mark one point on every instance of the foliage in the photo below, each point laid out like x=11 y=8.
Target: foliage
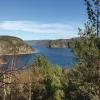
x=46 y=81
x=82 y=84
x=51 y=82
x=56 y=83
x=13 y=45
x=87 y=74
x=41 y=61
x=86 y=49
x=93 y=11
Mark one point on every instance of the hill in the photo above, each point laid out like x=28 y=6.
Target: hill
x=60 y=43
x=12 y=45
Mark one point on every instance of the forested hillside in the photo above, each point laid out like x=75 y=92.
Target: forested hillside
x=11 y=45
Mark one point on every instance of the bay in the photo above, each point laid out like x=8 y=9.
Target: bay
x=59 y=56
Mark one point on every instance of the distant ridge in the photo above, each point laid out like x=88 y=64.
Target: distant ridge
x=63 y=43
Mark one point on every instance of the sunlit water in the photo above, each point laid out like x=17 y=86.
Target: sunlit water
x=60 y=56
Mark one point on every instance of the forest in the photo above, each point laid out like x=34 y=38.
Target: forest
x=45 y=81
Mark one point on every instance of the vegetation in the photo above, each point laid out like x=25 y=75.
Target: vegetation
x=44 y=81
x=11 y=45
x=52 y=83
x=59 y=43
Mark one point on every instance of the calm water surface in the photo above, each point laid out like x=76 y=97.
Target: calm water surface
x=60 y=56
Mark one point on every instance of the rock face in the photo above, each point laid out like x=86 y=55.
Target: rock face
x=60 y=43
x=13 y=45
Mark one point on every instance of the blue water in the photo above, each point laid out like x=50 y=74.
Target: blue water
x=60 y=56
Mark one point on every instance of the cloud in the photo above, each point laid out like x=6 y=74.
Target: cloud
x=35 y=27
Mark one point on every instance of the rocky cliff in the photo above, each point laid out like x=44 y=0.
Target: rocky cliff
x=13 y=45
x=60 y=43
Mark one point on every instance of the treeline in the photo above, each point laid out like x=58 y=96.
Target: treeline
x=10 y=45
x=56 y=83
x=45 y=81
x=59 y=43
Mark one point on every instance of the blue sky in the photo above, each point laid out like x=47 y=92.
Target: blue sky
x=42 y=19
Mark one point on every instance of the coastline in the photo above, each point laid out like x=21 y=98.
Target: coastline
x=21 y=53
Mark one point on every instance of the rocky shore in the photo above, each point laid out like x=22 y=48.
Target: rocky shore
x=13 y=46
x=60 y=43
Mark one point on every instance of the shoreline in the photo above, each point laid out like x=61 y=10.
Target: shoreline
x=10 y=54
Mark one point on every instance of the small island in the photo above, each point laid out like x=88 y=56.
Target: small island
x=10 y=45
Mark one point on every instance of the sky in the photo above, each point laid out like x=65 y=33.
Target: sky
x=42 y=19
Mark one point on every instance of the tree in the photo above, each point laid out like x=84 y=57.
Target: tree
x=47 y=80
x=93 y=11
x=88 y=51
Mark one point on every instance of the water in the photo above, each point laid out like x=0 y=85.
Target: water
x=20 y=61
x=59 y=56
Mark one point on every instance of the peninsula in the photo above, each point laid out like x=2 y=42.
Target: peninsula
x=10 y=45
